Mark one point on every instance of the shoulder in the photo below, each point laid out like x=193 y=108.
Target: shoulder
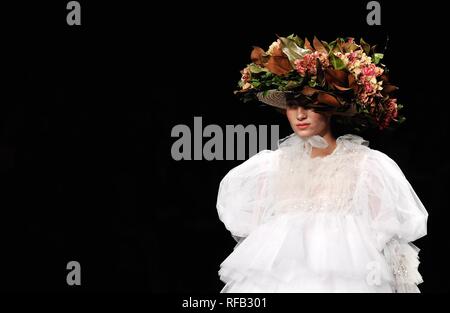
x=379 y=164
x=378 y=157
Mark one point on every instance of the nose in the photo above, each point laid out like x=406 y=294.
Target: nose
x=301 y=113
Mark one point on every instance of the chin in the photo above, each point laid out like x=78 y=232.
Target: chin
x=304 y=132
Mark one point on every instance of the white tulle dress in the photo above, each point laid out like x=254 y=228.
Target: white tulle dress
x=338 y=223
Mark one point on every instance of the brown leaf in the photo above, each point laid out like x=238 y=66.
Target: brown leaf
x=278 y=65
x=384 y=78
x=320 y=73
x=308 y=45
x=336 y=76
x=351 y=80
x=318 y=45
x=278 y=52
x=352 y=83
x=387 y=89
x=257 y=55
x=309 y=91
x=341 y=88
x=327 y=98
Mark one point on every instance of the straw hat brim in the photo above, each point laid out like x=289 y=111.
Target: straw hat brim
x=274 y=98
x=285 y=99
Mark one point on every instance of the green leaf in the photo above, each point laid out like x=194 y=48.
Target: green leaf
x=365 y=46
x=312 y=83
x=296 y=39
x=331 y=45
x=377 y=57
x=291 y=84
x=254 y=68
x=292 y=50
x=337 y=63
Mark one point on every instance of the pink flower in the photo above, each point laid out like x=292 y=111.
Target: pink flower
x=368 y=70
x=246 y=75
x=363 y=97
x=323 y=58
x=300 y=67
x=390 y=114
x=308 y=64
x=368 y=88
x=392 y=108
x=352 y=56
x=371 y=70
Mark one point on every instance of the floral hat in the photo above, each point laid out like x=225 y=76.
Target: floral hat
x=343 y=77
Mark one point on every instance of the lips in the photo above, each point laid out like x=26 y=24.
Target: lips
x=302 y=126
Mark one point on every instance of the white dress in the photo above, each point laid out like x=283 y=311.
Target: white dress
x=338 y=223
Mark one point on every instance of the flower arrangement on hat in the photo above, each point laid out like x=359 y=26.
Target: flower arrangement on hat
x=342 y=76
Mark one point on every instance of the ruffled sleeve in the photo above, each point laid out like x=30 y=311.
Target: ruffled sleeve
x=242 y=194
x=397 y=216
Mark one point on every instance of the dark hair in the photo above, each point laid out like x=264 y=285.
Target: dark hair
x=338 y=126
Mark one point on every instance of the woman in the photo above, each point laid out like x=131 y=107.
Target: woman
x=320 y=214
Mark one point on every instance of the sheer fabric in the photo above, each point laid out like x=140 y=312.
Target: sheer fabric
x=339 y=223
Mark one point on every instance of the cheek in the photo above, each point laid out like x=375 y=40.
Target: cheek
x=291 y=115
x=318 y=120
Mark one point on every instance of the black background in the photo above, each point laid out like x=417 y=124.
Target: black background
x=86 y=172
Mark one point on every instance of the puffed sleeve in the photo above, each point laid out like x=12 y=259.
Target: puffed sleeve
x=395 y=208
x=243 y=193
x=397 y=216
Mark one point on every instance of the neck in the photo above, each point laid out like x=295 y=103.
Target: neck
x=325 y=151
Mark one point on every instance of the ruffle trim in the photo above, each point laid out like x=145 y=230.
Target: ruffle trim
x=293 y=140
x=403 y=258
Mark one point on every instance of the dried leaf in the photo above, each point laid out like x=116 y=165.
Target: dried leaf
x=327 y=98
x=388 y=88
x=257 y=55
x=308 y=45
x=341 y=88
x=318 y=45
x=320 y=74
x=278 y=65
x=352 y=83
x=336 y=76
x=309 y=91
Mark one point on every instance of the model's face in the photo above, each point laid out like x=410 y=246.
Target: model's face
x=316 y=123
